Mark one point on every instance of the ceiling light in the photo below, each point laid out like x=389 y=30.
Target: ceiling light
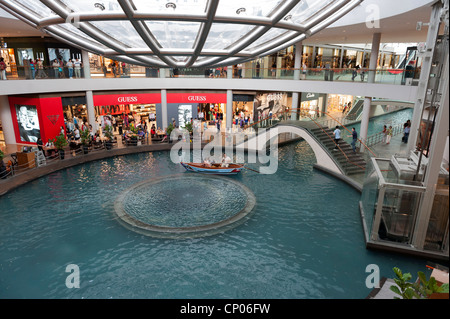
x=171 y=5
x=99 y=6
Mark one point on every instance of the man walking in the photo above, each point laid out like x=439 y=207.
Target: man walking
x=337 y=136
x=354 y=139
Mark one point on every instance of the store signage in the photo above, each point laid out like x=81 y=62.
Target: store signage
x=275 y=97
x=309 y=95
x=139 y=98
x=53 y=118
x=127 y=99
x=196 y=97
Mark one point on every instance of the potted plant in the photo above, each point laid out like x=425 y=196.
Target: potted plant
x=85 y=140
x=108 y=131
x=60 y=142
x=133 y=137
x=169 y=130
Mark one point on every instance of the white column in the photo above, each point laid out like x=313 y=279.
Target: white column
x=371 y=79
x=7 y=123
x=86 y=64
x=427 y=61
x=229 y=110
x=165 y=123
x=294 y=107
x=91 y=110
x=437 y=147
x=164 y=108
x=298 y=60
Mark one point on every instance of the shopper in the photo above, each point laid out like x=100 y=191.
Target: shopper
x=406 y=130
x=40 y=67
x=33 y=68
x=389 y=135
x=70 y=68
x=354 y=137
x=337 y=137
x=2 y=69
x=55 y=65
x=77 y=68
x=384 y=131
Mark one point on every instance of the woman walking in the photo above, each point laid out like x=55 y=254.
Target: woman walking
x=389 y=135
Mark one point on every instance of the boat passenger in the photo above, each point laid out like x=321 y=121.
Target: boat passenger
x=206 y=163
x=226 y=160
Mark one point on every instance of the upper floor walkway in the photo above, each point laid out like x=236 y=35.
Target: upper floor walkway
x=390 y=84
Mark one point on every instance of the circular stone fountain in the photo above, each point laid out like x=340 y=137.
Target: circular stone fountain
x=184 y=205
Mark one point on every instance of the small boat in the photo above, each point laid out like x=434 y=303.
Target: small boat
x=213 y=169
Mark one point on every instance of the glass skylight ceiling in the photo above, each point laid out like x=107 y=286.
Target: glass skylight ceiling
x=180 y=33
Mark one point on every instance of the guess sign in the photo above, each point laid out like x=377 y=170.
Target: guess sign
x=196 y=97
x=127 y=99
x=114 y=99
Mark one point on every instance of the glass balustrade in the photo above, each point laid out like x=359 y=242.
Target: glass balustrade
x=382 y=76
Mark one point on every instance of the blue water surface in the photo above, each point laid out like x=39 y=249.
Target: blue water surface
x=303 y=240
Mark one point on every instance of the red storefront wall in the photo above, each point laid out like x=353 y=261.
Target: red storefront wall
x=49 y=112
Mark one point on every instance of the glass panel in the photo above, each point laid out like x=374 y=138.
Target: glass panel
x=89 y=5
x=258 y=8
x=438 y=225
x=78 y=33
x=167 y=6
x=122 y=31
x=306 y=9
x=369 y=195
x=175 y=35
x=398 y=214
x=268 y=38
x=37 y=7
x=223 y=35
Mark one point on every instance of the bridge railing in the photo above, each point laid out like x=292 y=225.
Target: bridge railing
x=306 y=120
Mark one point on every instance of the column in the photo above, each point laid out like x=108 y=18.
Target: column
x=436 y=154
x=298 y=60
x=229 y=111
x=373 y=57
x=86 y=64
x=164 y=107
x=229 y=72
x=165 y=124
x=371 y=79
x=433 y=30
x=91 y=110
x=7 y=123
x=297 y=66
x=294 y=107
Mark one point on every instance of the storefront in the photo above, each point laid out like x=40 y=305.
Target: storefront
x=337 y=102
x=243 y=107
x=10 y=60
x=36 y=117
x=2 y=137
x=312 y=104
x=205 y=106
x=74 y=107
x=266 y=104
x=138 y=107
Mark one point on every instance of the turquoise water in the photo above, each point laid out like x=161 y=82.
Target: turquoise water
x=303 y=240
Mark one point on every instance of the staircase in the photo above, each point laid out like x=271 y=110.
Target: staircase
x=351 y=163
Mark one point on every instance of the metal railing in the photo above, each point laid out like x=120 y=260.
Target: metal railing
x=380 y=137
x=387 y=76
